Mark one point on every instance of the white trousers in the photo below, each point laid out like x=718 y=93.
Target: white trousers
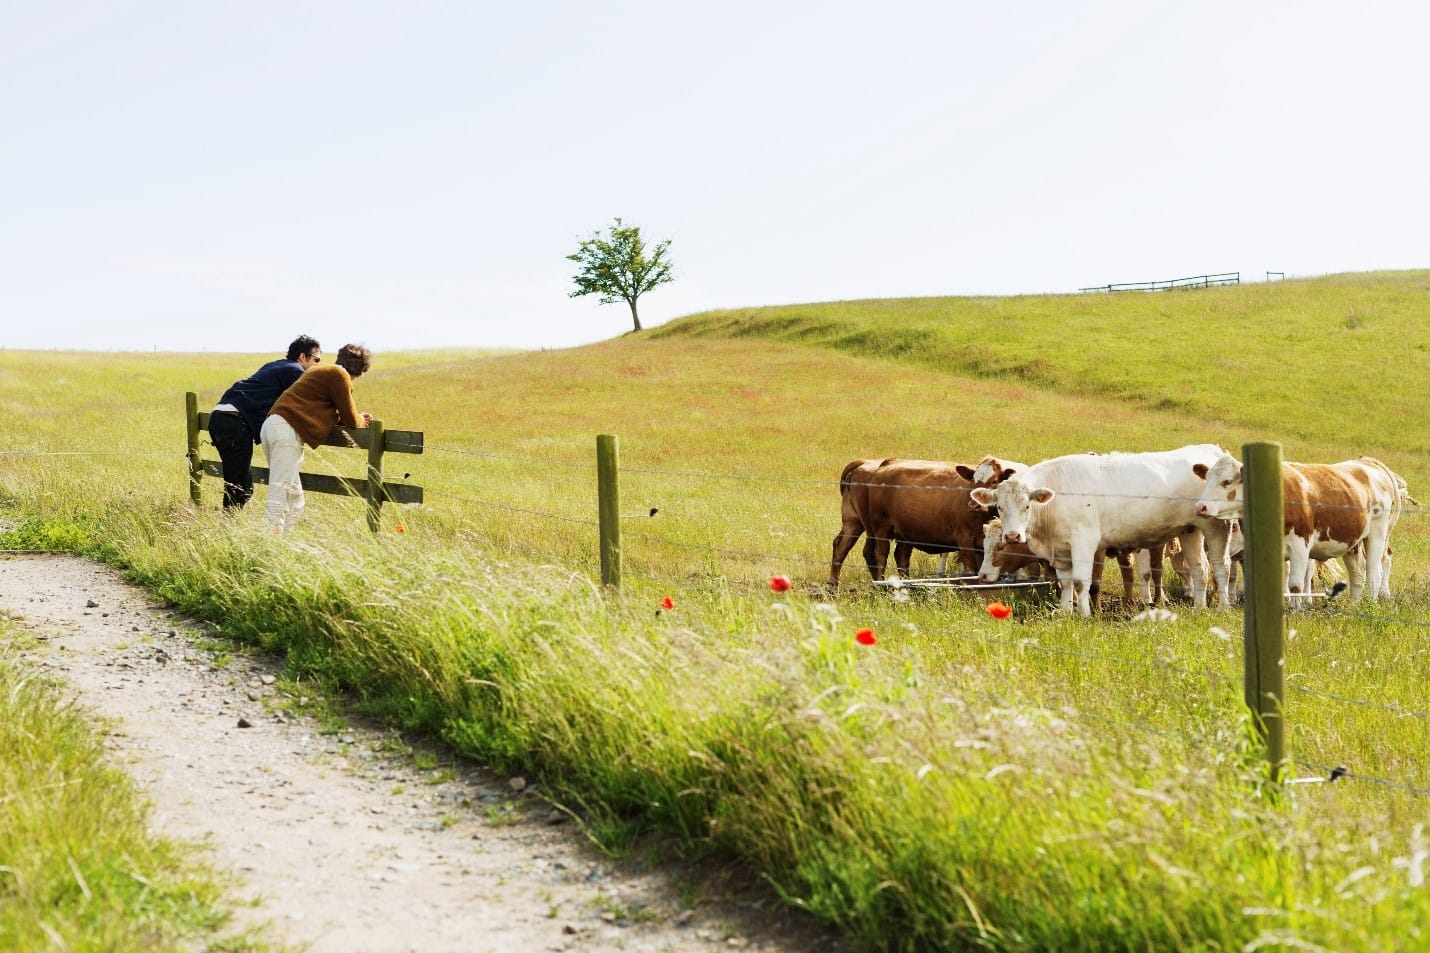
x=284 y=450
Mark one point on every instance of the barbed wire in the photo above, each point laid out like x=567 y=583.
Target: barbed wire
x=1381 y=706
x=512 y=509
x=92 y=453
x=1340 y=772
x=482 y=454
x=1408 y=510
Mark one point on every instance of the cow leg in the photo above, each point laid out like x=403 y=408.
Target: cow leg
x=970 y=554
x=903 y=552
x=1094 y=583
x=1156 y=558
x=848 y=536
x=874 y=561
x=1298 y=565
x=1218 y=558
x=942 y=565
x=1191 y=543
x=1355 y=563
x=1129 y=577
x=1080 y=577
x=1375 y=545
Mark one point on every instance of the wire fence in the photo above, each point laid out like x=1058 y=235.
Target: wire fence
x=798 y=554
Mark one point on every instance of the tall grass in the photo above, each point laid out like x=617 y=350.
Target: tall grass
x=1035 y=783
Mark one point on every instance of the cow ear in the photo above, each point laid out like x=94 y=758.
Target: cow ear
x=964 y=470
x=981 y=498
x=1200 y=469
x=1041 y=495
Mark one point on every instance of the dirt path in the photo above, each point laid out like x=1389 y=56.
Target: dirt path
x=340 y=841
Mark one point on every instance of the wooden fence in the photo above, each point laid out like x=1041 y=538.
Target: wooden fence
x=374 y=438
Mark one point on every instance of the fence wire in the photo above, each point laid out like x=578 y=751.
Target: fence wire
x=1412 y=509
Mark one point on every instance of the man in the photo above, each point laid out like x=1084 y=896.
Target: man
x=305 y=414
x=237 y=419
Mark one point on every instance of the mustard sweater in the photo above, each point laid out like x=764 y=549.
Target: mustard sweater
x=317 y=402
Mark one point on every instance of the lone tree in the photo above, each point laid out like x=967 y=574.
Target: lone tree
x=615 y=266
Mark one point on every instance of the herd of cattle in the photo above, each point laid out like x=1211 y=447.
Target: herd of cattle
x=1072 y=512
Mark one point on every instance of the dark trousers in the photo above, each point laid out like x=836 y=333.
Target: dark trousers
x=235 y=449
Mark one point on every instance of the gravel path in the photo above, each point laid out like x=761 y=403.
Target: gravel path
x=341 y=842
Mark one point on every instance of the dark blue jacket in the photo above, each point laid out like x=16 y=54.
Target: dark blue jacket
x=254 y=396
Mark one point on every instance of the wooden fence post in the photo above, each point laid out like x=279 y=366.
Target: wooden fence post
x=609 y=492
x=191 y=409
x=374 y=474
x=1263 y=527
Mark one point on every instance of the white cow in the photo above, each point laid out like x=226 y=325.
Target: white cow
x=1068 y=508
x=1340 y=510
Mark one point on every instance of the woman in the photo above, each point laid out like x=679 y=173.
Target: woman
x=306 y=413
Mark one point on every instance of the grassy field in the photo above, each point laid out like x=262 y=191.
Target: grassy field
x=1033 y=783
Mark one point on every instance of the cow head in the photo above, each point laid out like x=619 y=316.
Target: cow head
x=1015 y=501
x=989 y=473
x=1222 y=496
x=999 y=558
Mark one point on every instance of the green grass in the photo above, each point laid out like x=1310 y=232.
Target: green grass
x=79 y=869
x=1035 y=783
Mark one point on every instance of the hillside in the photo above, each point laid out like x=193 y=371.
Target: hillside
x=1327 y=360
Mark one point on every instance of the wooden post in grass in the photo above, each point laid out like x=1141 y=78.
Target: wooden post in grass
x=1263 y=527
x=374 y=491
x=191 y=411
x=608 y=490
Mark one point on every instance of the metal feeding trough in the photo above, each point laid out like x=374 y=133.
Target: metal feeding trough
x=958 y=582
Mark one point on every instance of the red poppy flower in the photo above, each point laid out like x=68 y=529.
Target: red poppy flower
x=667 y=603
x=999 y=611
x=865 y=637
x=780 y=583
x=399 y=528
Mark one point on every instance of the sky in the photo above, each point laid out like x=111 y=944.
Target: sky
x=204 y=176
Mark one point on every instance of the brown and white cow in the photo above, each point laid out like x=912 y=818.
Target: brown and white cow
x=913 y=504
x=1340 y=510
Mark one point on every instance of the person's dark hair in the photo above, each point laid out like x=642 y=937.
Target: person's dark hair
x=354 y=358
x=302 y=344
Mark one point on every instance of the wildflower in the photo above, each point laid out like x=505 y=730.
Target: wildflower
x=999 y=611
x=865 y=637
x=667 y=603
x=780 y=583
x=399 y=529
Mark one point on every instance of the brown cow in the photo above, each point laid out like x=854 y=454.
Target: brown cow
x=1344 y=510
x=914 y=504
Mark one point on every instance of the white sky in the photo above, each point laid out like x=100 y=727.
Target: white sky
x=195 y=175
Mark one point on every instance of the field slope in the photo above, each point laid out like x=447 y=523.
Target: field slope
x=964 y=782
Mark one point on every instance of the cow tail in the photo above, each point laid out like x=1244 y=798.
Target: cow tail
x=844 y=477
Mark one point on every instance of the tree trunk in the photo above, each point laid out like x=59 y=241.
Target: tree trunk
x=634 y=317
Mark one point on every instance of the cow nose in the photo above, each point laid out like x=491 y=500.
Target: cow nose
x=1012 y=537
x=1202 y=510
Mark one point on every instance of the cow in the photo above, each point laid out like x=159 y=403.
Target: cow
x=1340 y=510
x=1068 y=508
x=914 y=504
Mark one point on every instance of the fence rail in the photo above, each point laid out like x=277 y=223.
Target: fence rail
x=374 y=438
x=1199 y=281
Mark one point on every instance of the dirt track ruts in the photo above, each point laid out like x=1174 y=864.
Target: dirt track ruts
x=340 y=842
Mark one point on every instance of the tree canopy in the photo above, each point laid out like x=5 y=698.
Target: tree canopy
x=616 y=266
